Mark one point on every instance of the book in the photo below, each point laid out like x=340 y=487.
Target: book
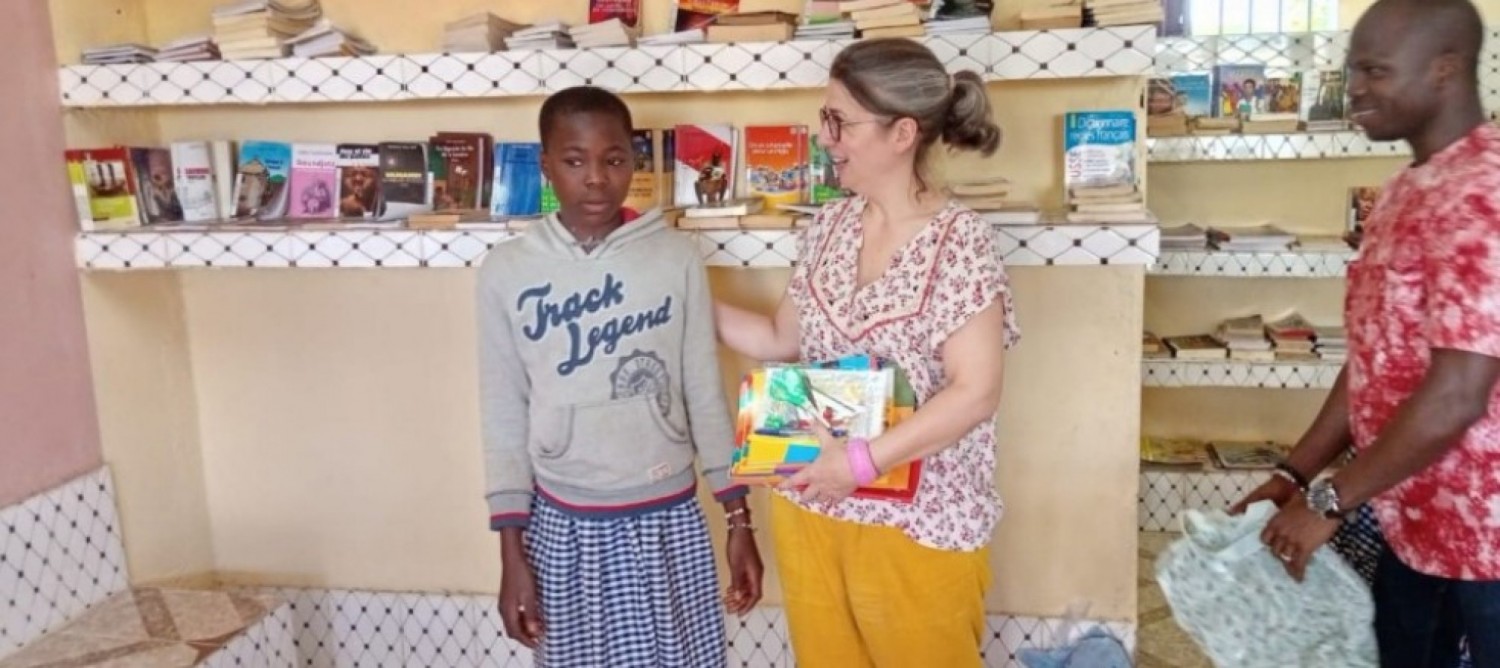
x=1099 y=149
x=403 y=179
x=822 y=174
x=359 y=180
x=705 y=164
x=627 y=11
x=1362 y=200
x=103 y=189
x=699 y=14
x=314 y=181
x=1248 y=455
x=1196 y=347
x=643 y=195
x=1195 y=94
x=193 y=178
x=1278 y=98
x=1323 y=99
x=953 y=10
x=1174 y=451
x=1236 y=89
x=517 y=190
x=460 y=170
x=776 y=163
x=155 y=189
x=667 y=192
x=223 y=154
x=260 y=187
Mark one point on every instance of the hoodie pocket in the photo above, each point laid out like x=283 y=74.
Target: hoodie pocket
x=614 y=444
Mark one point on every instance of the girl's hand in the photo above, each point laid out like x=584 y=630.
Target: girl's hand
x=829 y=478
x=745 y=571
x=520 y=607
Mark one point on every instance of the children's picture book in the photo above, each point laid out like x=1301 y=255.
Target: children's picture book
x=518 y=179
x=705 y=164
x=103 y=188
x=698 y=14
x=1195 y=94
x=403 y=179
x=359 y=180
x=1236 y=89
x=852 y=397
x=1278 y=98
x=643 y=196
x=822 y=175
x=260 y=187
x=155 y=185
x=776 y=163
x=1099 y=149
x=193 y=179
x=628 y=11
x=315 y=181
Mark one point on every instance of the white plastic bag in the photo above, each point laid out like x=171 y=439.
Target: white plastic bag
x=1236 y=600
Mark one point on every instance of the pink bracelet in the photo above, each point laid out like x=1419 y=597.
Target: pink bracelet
x=860 y=461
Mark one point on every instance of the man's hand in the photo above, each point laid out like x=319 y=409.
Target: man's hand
x=520 y=607
x=745 y=571
x=1294 y=533
x=1278 y=490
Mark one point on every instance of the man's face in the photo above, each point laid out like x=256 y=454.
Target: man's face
x=1393 y=87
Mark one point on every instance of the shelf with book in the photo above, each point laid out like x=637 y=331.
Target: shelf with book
x=394 y=247
x=1046 y=54
x=1287 y=264
x=1293 y=146
x=1174 y=373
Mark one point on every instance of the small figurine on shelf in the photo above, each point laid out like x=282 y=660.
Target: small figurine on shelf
x=712 y=181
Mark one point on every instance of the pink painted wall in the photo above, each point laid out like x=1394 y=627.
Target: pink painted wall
x=48 y=428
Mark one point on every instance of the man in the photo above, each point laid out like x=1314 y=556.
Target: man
x=1418 y=397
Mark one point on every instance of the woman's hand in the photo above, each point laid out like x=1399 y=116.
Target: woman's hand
x=829 y=478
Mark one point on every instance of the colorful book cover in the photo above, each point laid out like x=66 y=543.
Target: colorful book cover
x=628 y=11
x=1195 y=94
x=315 y=181
x=1236 y=88
x=403 y=179
x=518 y=179
x=193 y=178
x=694 y=14
x=946 y=10
x=466 y=157
x=642 y=195
x=823 y=176
x=155 y=189
x=776 y=163
x=1323 y=96
x=260 y=188
x=704 y=168
x=1362 y=201
x=103 y=188
x=550 y=203
x=1278 y=97
x=1099 y=149
x=359 y=180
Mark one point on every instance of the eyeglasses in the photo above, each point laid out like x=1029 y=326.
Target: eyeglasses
x=833 y=124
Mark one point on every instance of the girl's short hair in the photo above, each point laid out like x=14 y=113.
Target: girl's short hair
x=582 y=100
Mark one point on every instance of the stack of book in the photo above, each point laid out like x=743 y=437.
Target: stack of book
x=1105 y=13
x=958 y=18
x=752 y=27
x=114 y=54
x=822 y=19
x=1331 y=344
x=612 y=32
x=689 y=36
x=1260 y=239
x=482 y=33
x=550 y=35
x=1187 y=237
x=188 y=49
x=851 y=397
x=323 y=39
x=1248 y=454
x=1053 y=17
x=1293 y=338
x=261 y=28
x=1186 y=452
x=1208 y=125
x=885 y=18
x=1153 y=348
x=1196 y=347
x=1121 y=203
x=1246 y=339
x=982 y=194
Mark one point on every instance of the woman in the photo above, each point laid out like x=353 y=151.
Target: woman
x=902 y=272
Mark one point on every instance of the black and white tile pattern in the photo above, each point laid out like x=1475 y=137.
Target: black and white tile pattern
x=1252 y=265
x=60 y=554
x=1165 y=493
x=1303 y=146
x=267 y=644
x=1082 y=52
x=1228 y=373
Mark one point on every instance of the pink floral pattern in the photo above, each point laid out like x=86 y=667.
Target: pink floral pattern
x=943 y=277
x=1429 y=277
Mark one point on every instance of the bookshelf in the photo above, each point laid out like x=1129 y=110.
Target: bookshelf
x=1177 y=373
x=1286 y=264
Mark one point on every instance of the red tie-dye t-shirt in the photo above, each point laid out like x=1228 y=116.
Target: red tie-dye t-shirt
x=1428 y=277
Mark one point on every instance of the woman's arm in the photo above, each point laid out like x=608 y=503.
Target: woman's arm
x=765 y=338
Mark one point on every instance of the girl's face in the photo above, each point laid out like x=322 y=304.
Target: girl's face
x=589 y=160
x=866 y=148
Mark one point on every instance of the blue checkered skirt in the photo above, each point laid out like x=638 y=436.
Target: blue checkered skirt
x=626 y=592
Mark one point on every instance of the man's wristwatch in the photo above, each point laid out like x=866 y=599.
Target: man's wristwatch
x=1323 y=499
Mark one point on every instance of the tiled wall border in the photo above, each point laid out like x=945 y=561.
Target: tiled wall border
x=1079 y=52
x=267 y=644
x=1241 y=147
x=1291 y=264
x=60 y=554
x=367 y=628
x=1269 y=375
x=1165 y=493
x=183 y=248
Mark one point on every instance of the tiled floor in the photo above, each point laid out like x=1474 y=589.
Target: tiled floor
x=1160 y=643
x=160 y=628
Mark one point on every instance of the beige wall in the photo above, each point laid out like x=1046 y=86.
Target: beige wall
x=48 y=428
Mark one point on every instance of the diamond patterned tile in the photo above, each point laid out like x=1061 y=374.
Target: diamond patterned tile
x=366 y=249
x=1305 y=146
x=1271 y=375
x=267 y=644
x=121 y=250
x=974 y=53
x=460 y=248
x=1160 y=499
x=369 y=78
x=1049 y=245
x=620 y=69
x=1260 y=265
x=60 y=554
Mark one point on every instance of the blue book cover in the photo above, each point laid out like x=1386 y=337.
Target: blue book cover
x=517 y=188
x=260 y=188
x=1195 y=94
x=1099 y=148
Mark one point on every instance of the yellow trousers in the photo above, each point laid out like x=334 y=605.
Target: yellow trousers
x=862 y=596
